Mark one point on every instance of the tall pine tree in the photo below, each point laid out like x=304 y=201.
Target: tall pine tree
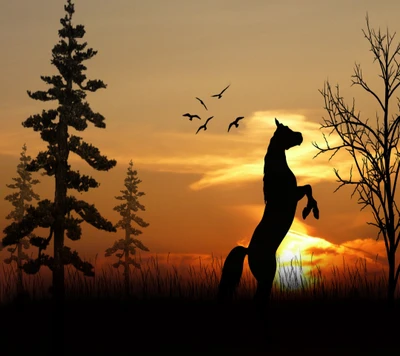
x=126 y=247
x=23 y=184
x=72 y=111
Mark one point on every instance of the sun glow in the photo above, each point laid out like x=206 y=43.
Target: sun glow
x=293 y=257
x=302 y=257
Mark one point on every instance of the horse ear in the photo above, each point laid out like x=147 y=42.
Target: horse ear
x=277 y=122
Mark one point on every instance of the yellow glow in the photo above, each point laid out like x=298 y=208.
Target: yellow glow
x=292 y=253
x=299 y=254
x=291 y=256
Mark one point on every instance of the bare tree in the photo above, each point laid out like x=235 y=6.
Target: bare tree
x=374 y=148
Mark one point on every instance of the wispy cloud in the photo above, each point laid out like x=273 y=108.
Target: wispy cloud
x=239 y=156
x=299 y=247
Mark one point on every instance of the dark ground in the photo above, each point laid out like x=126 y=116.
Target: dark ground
x=198 y=328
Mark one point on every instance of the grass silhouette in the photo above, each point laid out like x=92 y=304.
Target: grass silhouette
x=172 y=310
x=200 y=282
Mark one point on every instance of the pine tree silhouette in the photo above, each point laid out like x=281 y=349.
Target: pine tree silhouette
x=127 y=246
x=18 y=199
x=72 y=111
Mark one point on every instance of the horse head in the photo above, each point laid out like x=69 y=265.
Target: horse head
x=286 y=138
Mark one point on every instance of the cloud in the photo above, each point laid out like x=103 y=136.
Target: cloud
x=304 y=254
x=359 y=248
x=349 y=254
x=315 y=250
x=238 y=157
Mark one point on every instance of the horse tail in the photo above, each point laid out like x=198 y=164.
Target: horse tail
x=231 y=273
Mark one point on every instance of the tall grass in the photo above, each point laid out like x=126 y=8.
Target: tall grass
x=200 y=281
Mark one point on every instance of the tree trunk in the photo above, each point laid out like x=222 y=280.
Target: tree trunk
x=126 y=273
x=391 y=278
x=58 y=289
x=20 y=286
x=58 y=269
x=60 y=209
x=19 y=246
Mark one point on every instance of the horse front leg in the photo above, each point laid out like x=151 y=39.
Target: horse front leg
x=311 y=202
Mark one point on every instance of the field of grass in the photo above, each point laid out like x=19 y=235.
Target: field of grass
x=173 y=311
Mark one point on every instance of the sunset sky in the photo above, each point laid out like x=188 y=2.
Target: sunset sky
x=203 y=192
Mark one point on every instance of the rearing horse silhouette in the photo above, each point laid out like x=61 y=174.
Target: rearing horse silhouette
x=281 y=195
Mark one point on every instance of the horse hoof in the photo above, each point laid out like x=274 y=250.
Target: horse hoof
x=316 y=213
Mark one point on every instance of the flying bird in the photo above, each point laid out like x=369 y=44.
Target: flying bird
x=236 y=122
x=191 y=116
x=201 y=102
x=205 y=125
x=220 y=94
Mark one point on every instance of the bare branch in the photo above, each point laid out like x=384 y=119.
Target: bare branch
x=359 y=81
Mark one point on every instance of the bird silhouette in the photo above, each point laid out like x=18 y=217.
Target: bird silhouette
x=201 y=102
x=236 y=122
x=191 y=116
x=220 y=94
x=205 y=125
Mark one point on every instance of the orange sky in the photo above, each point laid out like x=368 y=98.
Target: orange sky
x=204 y=191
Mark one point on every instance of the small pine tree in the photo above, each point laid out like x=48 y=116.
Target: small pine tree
x=126 y=247
x=24 y=194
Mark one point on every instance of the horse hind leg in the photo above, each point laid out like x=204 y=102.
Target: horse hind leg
x=265 y=279
x=263 y=292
